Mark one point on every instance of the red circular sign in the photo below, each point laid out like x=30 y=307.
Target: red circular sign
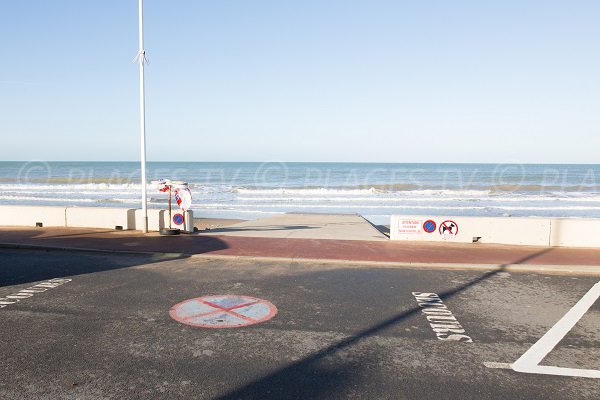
x=429 y=226
x=178 y=219
x=448 y=227
x=224 y=311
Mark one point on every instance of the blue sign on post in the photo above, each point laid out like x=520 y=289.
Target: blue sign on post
x=178 y=219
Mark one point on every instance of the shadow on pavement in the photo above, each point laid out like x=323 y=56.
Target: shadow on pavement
x=16 y=267
x=123 y=241
x=262 y=228
x=307 y=378
x=22 y=266
x=96 y=232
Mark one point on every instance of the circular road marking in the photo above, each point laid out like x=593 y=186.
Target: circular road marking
x=223 y=311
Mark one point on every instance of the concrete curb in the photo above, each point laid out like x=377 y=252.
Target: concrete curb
x=546 y=269
x=22 y=246
x=592 y=270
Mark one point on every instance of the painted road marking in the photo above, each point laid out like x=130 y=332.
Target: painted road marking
x=31 y=291
x=225 y=311
x=497 y=365
x=529 y=361
x=443 y=323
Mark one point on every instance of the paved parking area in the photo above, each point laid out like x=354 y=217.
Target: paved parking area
x=97 y=326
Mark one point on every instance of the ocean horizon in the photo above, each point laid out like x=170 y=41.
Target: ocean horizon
x=250 y=190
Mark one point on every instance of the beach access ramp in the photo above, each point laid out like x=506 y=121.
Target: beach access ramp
x=306 y=226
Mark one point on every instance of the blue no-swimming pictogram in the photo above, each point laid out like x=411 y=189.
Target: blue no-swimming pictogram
x=429 y=226
x=225 y=311
x=178 y=219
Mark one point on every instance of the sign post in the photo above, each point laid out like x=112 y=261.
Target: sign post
x=141 y=59
x=170 y=212
x=183 y=197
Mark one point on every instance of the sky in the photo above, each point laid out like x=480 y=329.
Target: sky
x=310 y=80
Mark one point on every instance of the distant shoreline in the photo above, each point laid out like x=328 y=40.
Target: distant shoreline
x=473 y=163
x=248 y=191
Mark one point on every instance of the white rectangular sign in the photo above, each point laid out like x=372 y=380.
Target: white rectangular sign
x=409 y=226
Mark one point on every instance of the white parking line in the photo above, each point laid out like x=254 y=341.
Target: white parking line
x=497 y=365
x=529 y=361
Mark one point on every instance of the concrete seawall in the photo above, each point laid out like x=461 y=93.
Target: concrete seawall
x=89 y=217
x=568 y=232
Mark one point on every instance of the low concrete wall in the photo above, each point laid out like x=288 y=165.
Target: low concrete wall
x=570 y=232
x=529 y=231
x=90 y=217
x=29 y=216
x=155 y=219
x=573 y=232
x=158 y=219
x=100 y=217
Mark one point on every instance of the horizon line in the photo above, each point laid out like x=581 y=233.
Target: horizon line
x=301 y=162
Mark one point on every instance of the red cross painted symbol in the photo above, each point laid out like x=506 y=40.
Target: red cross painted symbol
x=224 y=311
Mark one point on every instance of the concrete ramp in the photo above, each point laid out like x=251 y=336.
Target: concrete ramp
x=306 y=226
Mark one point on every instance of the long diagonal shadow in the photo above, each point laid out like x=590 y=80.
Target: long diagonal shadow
x=297 y=380
x=78 y=234
x=20 y=262
x=264 y=228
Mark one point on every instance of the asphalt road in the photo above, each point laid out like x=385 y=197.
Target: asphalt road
x=97 y=326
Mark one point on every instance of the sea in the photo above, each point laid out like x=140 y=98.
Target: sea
x=255 y=190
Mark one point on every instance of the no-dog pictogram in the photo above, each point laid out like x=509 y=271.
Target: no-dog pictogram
x=225 y=311
x=448 y=228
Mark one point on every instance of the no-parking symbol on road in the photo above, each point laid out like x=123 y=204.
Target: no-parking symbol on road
x=225 y=311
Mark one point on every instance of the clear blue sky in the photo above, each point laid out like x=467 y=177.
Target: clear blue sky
x=309 y=80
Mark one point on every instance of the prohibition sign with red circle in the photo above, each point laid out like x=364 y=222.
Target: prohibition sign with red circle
x=223 y=311
x=178 y=219
x=429 y=226
x=448 y=227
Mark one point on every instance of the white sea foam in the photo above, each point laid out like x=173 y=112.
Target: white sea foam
x=312 y=191
x=23 y=199
x=71 y=187
x=396 y=206
x=383 y=199
x=243 y=191
x=433 y=193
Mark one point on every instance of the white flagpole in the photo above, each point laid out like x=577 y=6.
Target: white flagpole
x=141 y=59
